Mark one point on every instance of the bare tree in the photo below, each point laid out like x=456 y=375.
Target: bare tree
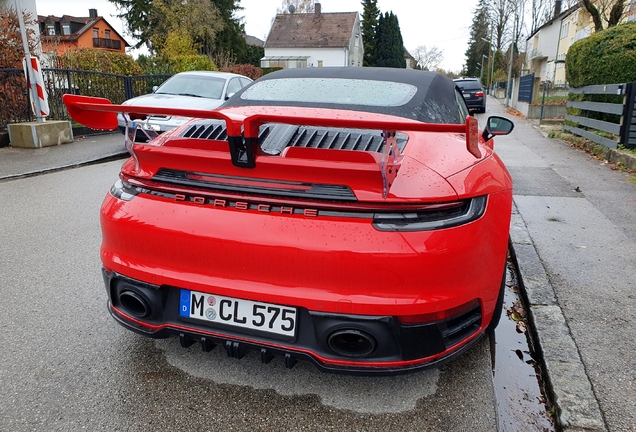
x=605 y=13
x=428 y=58
x=540 y=12
x=300 y=6
x=501 y=10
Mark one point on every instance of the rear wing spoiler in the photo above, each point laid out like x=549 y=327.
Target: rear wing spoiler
x=242 y=131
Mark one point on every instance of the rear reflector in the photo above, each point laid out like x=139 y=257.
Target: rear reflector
x=439 y=315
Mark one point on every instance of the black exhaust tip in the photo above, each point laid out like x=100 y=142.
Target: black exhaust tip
x=351 y=343
x=134 y=303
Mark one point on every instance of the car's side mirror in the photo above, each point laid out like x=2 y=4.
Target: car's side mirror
x=496 y=125
x=229 y=95
x=154 y=88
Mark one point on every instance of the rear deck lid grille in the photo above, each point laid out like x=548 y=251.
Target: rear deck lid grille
x=274 y=138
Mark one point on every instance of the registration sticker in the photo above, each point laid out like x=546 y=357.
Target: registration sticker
x=266 y=317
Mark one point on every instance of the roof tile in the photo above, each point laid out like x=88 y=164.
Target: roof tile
x=312 y=30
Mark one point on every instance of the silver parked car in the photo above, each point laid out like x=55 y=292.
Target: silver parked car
x=195 y=90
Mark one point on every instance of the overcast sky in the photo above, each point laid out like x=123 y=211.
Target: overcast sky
x=441 y=23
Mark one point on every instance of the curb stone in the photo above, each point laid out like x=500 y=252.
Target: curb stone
x=567 y=382
x=94 y=161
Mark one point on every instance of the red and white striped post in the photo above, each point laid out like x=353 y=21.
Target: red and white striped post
x=39 y=86
x=29 y=68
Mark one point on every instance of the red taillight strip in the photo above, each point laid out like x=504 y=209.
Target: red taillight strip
x=382 y=207
x=327 y=361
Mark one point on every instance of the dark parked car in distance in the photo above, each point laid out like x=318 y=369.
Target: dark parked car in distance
x=473 y=92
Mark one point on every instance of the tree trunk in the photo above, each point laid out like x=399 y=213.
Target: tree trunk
x=596 y=15
x=616 y=13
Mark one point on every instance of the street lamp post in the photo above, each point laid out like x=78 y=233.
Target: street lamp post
x=491 y=60
x=513 y=43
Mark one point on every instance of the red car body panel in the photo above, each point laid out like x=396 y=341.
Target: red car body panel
x=334 y=260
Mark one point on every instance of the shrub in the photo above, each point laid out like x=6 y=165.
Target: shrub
x=248 y=70
x=271 y=69
x=13 y=88
x=606 y=57
x=190 y=62
x=96 y=60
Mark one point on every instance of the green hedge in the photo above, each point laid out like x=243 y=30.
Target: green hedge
x=91 y=59
x=606 y=57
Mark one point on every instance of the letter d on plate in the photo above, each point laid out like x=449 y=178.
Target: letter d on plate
x=184 y=307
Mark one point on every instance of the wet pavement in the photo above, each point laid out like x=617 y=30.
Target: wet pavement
x=517 y=368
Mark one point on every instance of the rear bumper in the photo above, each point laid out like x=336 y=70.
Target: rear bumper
x=479 y=104
x=398 y=348
x=339 y=273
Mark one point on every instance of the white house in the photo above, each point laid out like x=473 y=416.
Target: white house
x=543 y=45
x=547 y=47
x=314 y=40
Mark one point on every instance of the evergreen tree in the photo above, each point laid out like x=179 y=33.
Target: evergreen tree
x=370 y=15
x=390 y=48
x=230 y=40
x=253 y=55
x=478 y=44
x=211 y=24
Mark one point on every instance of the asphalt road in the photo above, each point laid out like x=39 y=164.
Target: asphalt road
x=66 y=365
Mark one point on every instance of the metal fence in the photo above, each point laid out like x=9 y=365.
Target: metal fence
x=526 y=88
x=14 y=95
x=600 y=119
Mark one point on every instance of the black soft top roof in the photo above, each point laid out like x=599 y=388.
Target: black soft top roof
x=434 y=102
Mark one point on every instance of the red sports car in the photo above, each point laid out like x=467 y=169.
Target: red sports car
x=353 y=217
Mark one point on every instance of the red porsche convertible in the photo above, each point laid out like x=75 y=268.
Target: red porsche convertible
x=354 y=217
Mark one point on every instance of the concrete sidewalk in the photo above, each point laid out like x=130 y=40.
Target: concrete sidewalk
x=20 y=162
x=574 y=237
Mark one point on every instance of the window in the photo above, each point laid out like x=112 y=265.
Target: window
x=565 y=29
x=332 y=91
x=203 y=86
x=107 y=34
x=461 y=106
x=233 y=87
x=357 y=40
x=284 y=61
x=95 y=32
x=66 y=29
x=50 y=30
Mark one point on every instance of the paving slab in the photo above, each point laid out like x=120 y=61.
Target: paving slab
x=576 y=257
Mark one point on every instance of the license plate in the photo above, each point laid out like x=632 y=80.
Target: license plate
x=212 y=308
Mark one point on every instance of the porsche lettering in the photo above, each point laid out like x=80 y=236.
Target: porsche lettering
x=244 y=205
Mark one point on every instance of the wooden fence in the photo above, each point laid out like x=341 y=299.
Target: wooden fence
x=586 y=118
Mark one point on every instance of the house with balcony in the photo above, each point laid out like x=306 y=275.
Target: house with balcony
x=61 y=34
x=314 y=40
x=547 y=46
